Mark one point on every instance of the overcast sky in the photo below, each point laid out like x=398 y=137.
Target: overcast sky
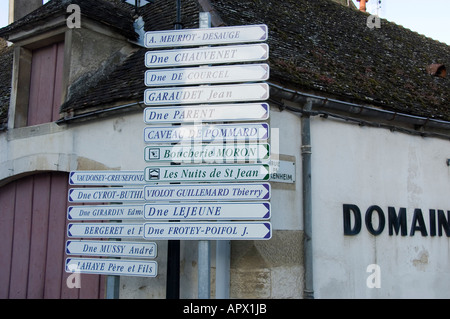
x=428 y=17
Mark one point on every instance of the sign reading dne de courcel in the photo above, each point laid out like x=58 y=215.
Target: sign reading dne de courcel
x=207 y=75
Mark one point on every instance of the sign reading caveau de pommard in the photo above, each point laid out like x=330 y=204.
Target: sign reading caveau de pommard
x=398 y=223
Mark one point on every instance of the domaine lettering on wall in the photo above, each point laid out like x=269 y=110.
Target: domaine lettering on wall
x=398 y=221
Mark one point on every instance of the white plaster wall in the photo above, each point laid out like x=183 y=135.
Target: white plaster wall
x=369 y=166
x=117 y=143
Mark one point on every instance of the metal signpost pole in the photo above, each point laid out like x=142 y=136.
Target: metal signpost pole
x=204 y=258
x=173 y=246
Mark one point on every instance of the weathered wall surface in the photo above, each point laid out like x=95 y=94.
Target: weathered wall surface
x=365 y=167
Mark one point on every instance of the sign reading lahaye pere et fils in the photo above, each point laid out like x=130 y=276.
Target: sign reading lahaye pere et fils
x=206 y=36
x=117 y=267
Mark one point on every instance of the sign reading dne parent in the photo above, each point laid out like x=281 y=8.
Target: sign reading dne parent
x=207 y=75
x=207 y=113
x=117 y=267
x=209 y=211
x=207 y=94
x=208 y=153
x=209 y=55
x=206 y=36
x=208 y=231
x=207 y=173
x=108 y=248
x=207 y=133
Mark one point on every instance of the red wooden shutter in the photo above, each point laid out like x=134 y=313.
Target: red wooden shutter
x=46 y=84
x=33 y=224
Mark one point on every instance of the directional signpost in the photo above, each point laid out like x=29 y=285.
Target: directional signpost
x=226 y=197
x=207 y=94
x=118 y=267
x=207 y=173
x=105 y=212
x=209 y=55
x=207 y=133
x=111 y=248
x=208 y=231
x=182 y=192
x=208 y=153
x=202 y=75
x=207 y=113
x=209 y=211
x=199 y=37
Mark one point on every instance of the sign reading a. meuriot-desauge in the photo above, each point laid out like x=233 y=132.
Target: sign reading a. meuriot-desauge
x=193 y=37
x=207 y=173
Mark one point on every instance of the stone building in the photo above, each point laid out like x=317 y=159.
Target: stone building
x=362 y=114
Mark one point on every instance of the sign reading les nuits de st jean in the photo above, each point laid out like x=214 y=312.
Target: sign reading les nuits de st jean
x=207 y=173
x=206 y=36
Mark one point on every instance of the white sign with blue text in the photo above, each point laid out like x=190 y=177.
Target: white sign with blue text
x=117 y=267
x=208 y=231
x=206 y=36
x=207 y=55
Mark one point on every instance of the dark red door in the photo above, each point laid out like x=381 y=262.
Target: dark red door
x=33 y=227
